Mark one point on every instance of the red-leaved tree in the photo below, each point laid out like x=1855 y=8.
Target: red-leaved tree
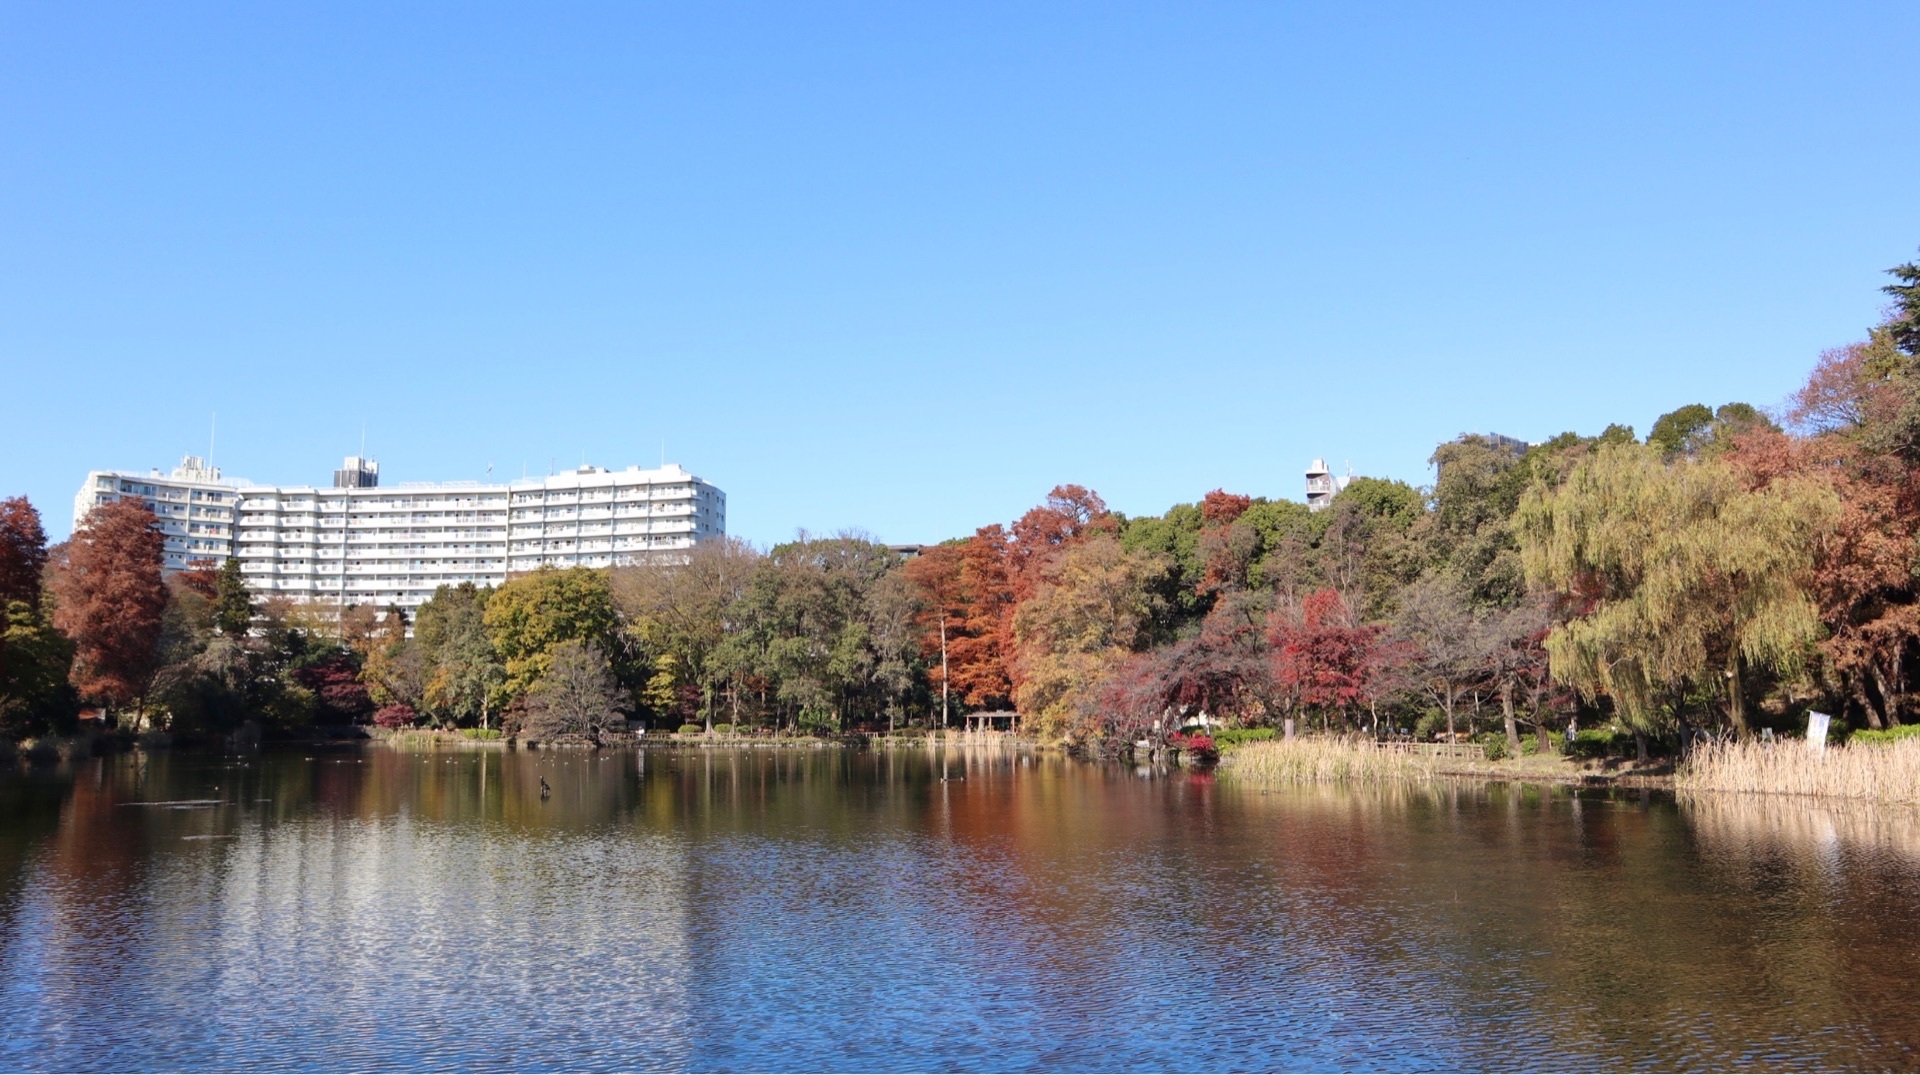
x=23 y=552
x=110 y=601
x=1321 y=658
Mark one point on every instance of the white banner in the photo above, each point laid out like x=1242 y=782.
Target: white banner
x=1817 y=732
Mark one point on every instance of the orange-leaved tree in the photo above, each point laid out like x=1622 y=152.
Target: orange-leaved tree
x=110 y=601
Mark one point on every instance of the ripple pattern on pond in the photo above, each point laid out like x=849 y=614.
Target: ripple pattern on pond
x=837 y=910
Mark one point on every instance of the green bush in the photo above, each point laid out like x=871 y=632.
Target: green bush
x=691 y=729
x=1430 y=724
x=1229 y=738
x=1601 y=743
x=1889 y=735
x=723 y=729
x=480 y=733
x=1494 y=744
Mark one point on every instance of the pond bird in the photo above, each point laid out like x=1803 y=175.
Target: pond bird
x=544 y=789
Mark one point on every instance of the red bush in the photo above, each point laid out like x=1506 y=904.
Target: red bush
x=397 y=715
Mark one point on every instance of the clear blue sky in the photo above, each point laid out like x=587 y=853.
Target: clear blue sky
x=905 y=268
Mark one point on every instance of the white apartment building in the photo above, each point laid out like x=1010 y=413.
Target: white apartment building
x=358 y=544
x=194 y=504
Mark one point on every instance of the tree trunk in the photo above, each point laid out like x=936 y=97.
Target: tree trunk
x=1736 y=698
x=1865 y=701
x=1450 y=731
x=1887 y=696
x=1288 y=723
x=943 y=669
x=1640 y=744
x=1506 y=711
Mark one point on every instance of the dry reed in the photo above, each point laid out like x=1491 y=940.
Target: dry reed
x=1309 y=760
x=1879 y=772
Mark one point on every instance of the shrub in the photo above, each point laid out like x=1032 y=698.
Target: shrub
x=1888 y=735
x=1430 y=724
x=691 y=729
x=1600 y=743
x=723 y=729
x=480 y=733
x=397 y=715
x=1494 y=745
x=1231 y=738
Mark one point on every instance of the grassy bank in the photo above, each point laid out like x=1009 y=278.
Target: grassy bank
x=1876 y=772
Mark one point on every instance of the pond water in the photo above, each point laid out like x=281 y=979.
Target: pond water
x=842 y=910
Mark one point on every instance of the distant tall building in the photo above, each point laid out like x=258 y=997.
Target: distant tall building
x=357 y=543
x=193 y=503
x=1323 y=485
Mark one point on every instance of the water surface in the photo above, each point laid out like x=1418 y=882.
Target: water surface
x=841 y=910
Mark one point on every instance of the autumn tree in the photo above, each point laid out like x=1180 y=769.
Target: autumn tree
x=1688 y=577
x=1440 y=635
x=463 y=673
x=1093 y=605
x=938 y=581
x=110 y=602
x=23 y=551
x=528 y=616
x=575 y=696
x=1321 y=657
x=688 y=609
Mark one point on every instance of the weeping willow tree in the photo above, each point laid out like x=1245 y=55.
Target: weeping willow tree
x=1685 y=577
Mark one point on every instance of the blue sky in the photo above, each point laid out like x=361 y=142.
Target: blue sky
x=904 y=267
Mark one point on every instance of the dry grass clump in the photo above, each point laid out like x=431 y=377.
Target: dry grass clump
x=1880 y=772
x=1309 y=760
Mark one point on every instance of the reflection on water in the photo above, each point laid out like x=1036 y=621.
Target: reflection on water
x=840 y=910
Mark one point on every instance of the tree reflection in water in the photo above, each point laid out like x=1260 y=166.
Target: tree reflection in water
x=804 y=909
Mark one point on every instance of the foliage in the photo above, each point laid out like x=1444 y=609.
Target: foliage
x=1886 y=735
x=1229 y=738
x=395 y=715
x=1688 y=577
x=576 y=697
x=110 y=601
x=691 y=729
x=23 y=552
x=528 y=618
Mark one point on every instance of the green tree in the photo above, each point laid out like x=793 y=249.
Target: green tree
x=1688 y=578
x=1904 y=329
x=34 y=661
x=463 y=673
x=232 y=604
x=686 y=610
x=528 y=616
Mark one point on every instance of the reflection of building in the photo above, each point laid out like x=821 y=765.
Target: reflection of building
x=193 y=504
x=1323 y=485
x=357 y=543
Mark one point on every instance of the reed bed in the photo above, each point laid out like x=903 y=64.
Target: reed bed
x=1307 y=760
x=1878 y=772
